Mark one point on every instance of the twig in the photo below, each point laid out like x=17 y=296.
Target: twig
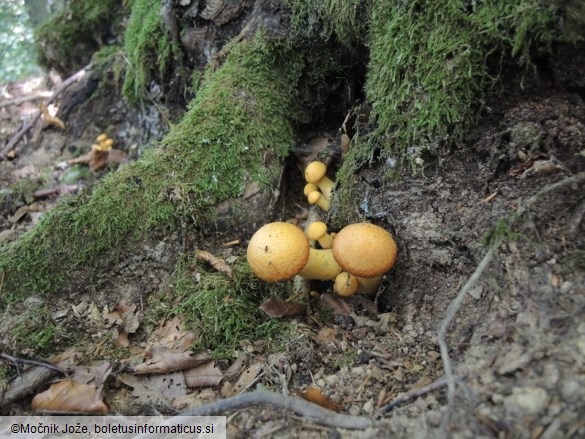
x=22 y=99
x=26 y=384
x=60 y=89
x=458 y=300
x=16 y=361
x=437 y=384
x=310 y=412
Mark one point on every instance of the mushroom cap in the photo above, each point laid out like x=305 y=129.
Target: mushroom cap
x=313 y=197
x=101 y=138
x=316 y=230
x=345 y=284
x=310 y=187
x=315 y=171
x=364 y=250
x=278 y=251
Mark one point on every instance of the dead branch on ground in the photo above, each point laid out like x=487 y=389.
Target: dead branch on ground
x=60 y=89
x=310 y=412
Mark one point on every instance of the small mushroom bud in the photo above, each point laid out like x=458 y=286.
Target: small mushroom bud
x=317 y=198
x=345 y=284
x=310 y=187
x=317 y=231
x=315 y=173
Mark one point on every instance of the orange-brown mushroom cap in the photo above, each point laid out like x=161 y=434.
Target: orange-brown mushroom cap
x=278 y=251
x=364 y=250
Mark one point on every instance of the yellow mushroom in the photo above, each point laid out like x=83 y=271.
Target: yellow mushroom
x=367 y=252
x=315 y=173
x=345 y=284
x=279 y=251
x=317 y=231
x=317 y=198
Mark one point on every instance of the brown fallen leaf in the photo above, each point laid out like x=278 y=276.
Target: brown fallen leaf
x=314 y=395
x=206 y=375
x=121 y=340
x=277 y=309
x=246 y=380
x=95 y=373
x=156 y=389
x=335 y=303
x=172 y=335
x=163 y=360
x=70 y=397
x=51 y=120
x=99 y=159
x=217 y=263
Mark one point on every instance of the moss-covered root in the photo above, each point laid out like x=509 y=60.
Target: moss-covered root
x=229 y=146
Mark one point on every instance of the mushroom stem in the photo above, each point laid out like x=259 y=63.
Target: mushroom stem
x=368 y=286
x=317 y=198
x=321 y=265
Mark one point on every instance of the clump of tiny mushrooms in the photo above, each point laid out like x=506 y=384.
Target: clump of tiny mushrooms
x=355 y=259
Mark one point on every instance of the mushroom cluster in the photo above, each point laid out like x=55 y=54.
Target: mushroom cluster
x=104 y=143
x=319 y=187
x=356 y=258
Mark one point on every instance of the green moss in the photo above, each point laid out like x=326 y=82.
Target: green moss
x=432 y=61
x=242 y=111
x=32 y=330
x=224 y=312
x=67 y=41
x=149 y=49
x=431 y=65
x=345 y=19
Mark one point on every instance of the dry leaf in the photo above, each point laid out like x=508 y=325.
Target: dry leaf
x=335 y=303
x=121 y=340
x=246 y=380
x=71 y=397
x=236 y=367
x=314 y=395
x=156 y=389
x=217 y=263
x=206 y=375
x=276 y=308
x=95 y=373
x=327 y=336
x=163 y=360
x=172 y=336
x=51 y=120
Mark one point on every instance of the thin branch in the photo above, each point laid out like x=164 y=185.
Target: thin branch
x=437 y=384
x=16 y=361
x=60 y=89
x=22 y=99
x=458 y=300
x=310 y=412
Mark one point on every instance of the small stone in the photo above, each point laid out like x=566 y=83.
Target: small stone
x=476 y=291
x=320 y=382
x=332 y=379
x=526 y=401
x=354 y=410
x=566 y=286
x=369 y=407
x=359 y=371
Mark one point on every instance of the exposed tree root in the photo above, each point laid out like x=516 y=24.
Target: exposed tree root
x=311 y=413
